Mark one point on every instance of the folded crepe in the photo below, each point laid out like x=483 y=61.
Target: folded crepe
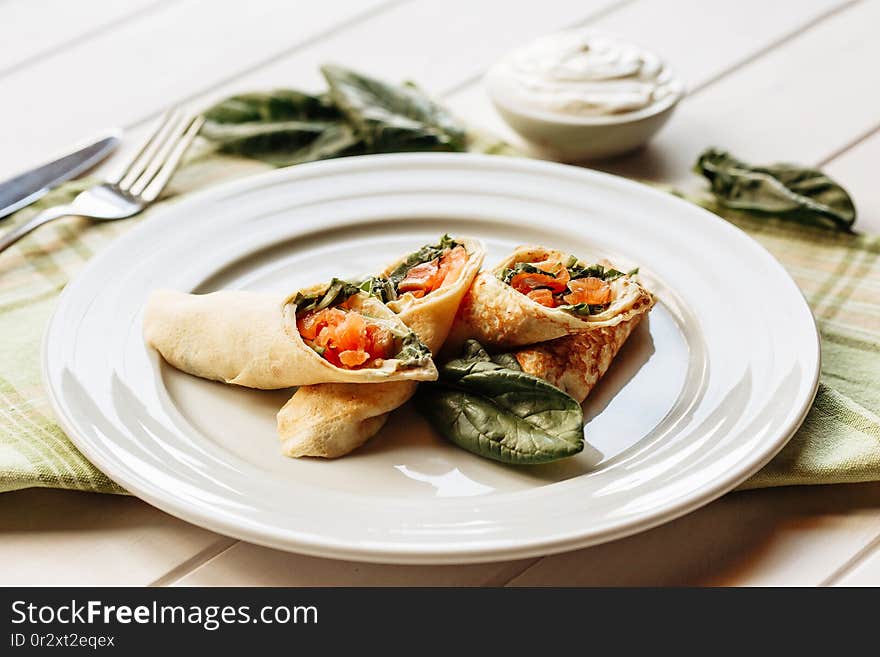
x=331 y=420
x=268 y=341
x=526 y=300
x=575 y=363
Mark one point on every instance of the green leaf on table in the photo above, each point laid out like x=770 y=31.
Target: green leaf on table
x=489 y=406
x=786 y=191
x=393 y=117
x=284 y=143
x=358 y=115
x=281 y=127
x=274 y=106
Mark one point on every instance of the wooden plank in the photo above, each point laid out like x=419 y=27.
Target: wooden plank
x=33 y=28
x=404 y=53
x=196 y=65
x=856 y=169
x=142 y=67
x=257 y=566
x=53 y=537
x=865 y=572
x=793 y=536
x=437 y=45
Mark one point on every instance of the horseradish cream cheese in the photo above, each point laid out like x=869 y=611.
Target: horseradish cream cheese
x=583 y=73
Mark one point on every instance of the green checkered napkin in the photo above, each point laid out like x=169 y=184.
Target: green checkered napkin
x=839 y=274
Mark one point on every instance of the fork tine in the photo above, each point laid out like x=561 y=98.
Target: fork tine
x=159 y=155
x=155 y=187
x=139 y=160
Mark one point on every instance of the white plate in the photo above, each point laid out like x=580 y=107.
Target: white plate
x=703 y=394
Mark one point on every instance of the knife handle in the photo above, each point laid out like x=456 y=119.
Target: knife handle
x=50 y=214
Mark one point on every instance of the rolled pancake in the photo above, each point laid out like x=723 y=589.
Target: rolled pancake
x=331 y=420
x=250 y=339
x=497 y=315
x=575 y=363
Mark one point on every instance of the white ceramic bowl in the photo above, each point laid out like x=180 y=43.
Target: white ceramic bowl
x=575 y=138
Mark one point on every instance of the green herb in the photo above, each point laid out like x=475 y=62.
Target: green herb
x=787 y=191
x=427 y=253
x=358 y=115
x=337 y=292
x=490 y=407
x=578 y=270
x=507 y=274
x=379 y=287
x=585 y=309
x=413 y=353
x=392 y=118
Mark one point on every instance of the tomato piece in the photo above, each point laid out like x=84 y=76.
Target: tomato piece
x=588 y=290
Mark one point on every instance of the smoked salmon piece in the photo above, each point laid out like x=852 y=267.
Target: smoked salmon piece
x=591 y=290
x=544 y=297
x=345 y=337
x=525 y=282
x=429 y=276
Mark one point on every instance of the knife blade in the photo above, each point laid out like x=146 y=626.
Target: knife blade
x=27 y=187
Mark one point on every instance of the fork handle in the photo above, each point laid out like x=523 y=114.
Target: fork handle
x=49 y=214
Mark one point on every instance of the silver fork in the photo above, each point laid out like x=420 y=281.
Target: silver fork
x=131 y=191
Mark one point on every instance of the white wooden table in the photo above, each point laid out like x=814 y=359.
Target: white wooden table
x=793 y=79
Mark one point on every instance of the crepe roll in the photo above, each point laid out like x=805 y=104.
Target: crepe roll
x=538 y=294
x=424 y=289
x=575 y=363
x=327 y=333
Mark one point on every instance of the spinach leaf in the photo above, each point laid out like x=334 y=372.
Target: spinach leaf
x=337 y=292
x=427 y=253
x=274 y=106
x=281 y=128
x=285 y=143
x=358 y=115
x=393 y=118
x=578 y=270
x=490 y=407
x=507 y=274
x=787 y=191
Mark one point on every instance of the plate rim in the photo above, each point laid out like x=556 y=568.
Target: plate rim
x=418 y=553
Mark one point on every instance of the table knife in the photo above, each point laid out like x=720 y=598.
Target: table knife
x=27 y=187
